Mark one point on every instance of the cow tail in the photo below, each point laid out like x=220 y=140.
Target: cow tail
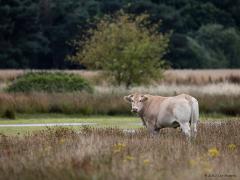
x=194 y=115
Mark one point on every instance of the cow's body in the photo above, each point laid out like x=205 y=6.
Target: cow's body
x=158 y=112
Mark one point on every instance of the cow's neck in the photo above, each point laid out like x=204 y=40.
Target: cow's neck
x=144 y=110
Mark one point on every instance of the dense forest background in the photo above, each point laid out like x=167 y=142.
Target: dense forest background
x=35 y=33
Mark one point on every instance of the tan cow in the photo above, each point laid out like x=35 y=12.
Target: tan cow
x=158 y=112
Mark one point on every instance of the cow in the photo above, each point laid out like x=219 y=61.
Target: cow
x=159 y=112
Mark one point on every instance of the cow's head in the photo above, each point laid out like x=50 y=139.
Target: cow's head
x=137 y=101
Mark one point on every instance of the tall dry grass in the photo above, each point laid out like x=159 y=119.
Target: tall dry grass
x=218 y=91
x=111 y=154
x=81 y=103
x=101 y=103
x=202 y=77
x=196 y=77
x=9 y=75
x=227 y=89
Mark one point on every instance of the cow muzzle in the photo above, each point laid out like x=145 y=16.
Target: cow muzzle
x=134 y=110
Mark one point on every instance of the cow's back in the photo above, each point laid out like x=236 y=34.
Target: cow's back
x=166 y=110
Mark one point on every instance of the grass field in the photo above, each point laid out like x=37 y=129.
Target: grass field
x=106 y=150
x=109 y=153
x=122 y=122
x=217 y=91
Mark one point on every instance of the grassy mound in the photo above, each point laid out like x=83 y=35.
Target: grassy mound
x=49 y=82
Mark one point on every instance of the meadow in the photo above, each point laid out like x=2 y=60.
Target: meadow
x=117 y=146
x=198 y=77
x=218 y=91
x=110 y=153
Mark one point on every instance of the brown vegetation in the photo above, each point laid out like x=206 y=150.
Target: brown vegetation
x=112 y=154
x=213 y=98
x=202 y=77
x=196 y=77
x=101 y=104
x=81 y=103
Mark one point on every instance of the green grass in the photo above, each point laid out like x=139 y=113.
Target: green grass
x=101 y=121
x=19 y=130
x=124 y=122
x=59 y=118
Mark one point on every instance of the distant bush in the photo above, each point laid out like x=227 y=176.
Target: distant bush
x=49 y=82
x=9 y=114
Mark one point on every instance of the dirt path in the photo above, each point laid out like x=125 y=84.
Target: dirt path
x=46 y=124
x=80 y=124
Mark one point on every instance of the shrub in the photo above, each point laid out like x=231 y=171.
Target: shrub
x=49 y=82
x=9 y=114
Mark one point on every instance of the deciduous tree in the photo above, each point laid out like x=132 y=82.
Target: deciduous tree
x=125 y=48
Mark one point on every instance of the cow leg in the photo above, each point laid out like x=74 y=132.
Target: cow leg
x=151 y=127
x=143 y=121
x=152 y=130
x=194 y=130
x=186 y=129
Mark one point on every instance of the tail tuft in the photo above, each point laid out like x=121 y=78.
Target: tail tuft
x=194 y=116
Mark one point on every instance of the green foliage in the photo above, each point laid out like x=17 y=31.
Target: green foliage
x=61 y=21
x=9 y=114
x=49 y=82
x=123 y=46
x=21 y=38
x=211 y=46
x=35 y=33
x=222 y=45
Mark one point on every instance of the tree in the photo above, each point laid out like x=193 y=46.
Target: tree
x=123 y=46
x=36 y=33
x=61 y=21
x=21 y=38
x=223 y=45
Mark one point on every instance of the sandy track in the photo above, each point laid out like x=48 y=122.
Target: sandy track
x=46 y=124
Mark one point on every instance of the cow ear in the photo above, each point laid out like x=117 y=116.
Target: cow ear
x=144 y=98
x=128 y=98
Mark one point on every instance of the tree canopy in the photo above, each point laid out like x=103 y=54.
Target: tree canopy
x=125 y=47
x=36 y=33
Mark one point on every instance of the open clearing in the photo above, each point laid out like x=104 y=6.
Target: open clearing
x=27 y=123
x=11 y=126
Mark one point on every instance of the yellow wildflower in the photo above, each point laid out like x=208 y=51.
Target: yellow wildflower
x=213 y=152
x=232 y=147
x=146 y=161
x=62 y=141
x=116 y=150
x=47 y=148
x=193 y=162
x=206 y=166
x=129 y=158
x=118 y=147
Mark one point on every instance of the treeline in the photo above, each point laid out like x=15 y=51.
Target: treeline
x=36 y=33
